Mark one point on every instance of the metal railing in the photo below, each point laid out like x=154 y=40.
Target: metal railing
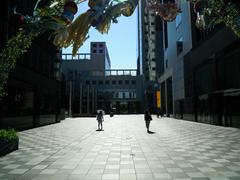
x=80 y=56
x=121 y=72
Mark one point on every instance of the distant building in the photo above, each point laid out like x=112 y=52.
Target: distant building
x=33 y=87
x=91 y=84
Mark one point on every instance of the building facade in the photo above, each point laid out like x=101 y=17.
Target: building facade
x=200 y=80
x=177 y=42
x=198 y=76
x=91 y=84
x=212 y=84
x=33 y=87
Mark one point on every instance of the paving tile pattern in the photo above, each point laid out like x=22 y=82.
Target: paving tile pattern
x=74 y=150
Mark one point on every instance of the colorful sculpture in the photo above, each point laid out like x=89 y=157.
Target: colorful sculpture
x=102 y=13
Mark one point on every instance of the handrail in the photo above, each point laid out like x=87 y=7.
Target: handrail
x=79 y=56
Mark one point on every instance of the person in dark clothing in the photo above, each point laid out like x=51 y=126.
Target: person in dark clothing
x=161 y=112
x=147 y=118
x=158 y=112
x=100 y=119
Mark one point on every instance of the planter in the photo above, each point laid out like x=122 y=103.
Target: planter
x=7 y=146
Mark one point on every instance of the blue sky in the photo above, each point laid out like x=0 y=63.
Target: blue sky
x=121 y=41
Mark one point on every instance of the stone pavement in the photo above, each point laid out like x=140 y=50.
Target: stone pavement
x=74 y=150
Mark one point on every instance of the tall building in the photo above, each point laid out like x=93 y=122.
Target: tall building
x=201 y=71
x=33 y=87
x=150 y=51
x=91 y=84
x=177 y=43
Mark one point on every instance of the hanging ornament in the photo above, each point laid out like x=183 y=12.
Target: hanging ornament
x=200 y=22
x=67 y=16
x=200 y=6
x=167 y=11
x=70 y=9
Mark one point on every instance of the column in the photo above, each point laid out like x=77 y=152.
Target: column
x=80 y=99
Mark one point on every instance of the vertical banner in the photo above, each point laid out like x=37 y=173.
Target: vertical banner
x=158 y=95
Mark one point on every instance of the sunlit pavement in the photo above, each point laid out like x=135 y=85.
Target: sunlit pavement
x=73 y=149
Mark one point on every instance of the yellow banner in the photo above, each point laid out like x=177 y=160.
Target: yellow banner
x=158 y=95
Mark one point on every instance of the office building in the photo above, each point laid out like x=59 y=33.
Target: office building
x=33 y=87
x=91 y=84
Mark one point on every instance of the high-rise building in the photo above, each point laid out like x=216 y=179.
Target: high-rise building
x=150 y=51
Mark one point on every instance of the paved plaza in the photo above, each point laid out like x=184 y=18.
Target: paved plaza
x=74 y=150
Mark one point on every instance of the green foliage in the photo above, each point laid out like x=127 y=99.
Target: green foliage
x=15 y=48
x=220 y=11
x=8 y=135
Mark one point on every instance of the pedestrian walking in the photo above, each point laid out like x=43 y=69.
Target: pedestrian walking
x=161 y=113
x=100 y=119
x=147 y=118
x=158 y=112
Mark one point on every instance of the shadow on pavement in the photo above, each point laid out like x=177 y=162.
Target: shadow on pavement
x=99 y=130
x=151 y=132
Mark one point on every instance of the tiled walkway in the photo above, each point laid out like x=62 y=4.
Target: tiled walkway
x=73 y=149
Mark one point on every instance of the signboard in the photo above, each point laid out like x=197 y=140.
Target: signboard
x=158 y=97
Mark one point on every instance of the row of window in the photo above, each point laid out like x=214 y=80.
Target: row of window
x=117 y=95
x=97 y=45
x=113 y=82
x=97 y=51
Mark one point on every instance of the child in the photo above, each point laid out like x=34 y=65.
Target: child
x=100 y=119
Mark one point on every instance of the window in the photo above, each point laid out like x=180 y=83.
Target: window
x=120 y=82
x=107 y=82
x=100 y=45
x=94 y=51
x=166 y=64
x=100 y=82
x=87 y=82
x=120 y=95
x=153 y=59
x=133 y=82
x=153 y=68
x=179 y=45
x=95 y=45
x=126 y=81
x=178 y=19
x=113 y=82
x=100 y=51
x=93 y=82
x=127 y=96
